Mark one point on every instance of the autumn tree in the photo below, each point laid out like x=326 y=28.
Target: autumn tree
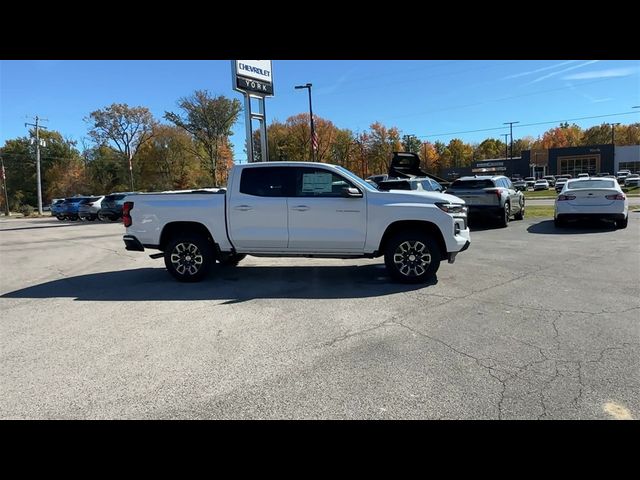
x=628 y=134
x=597 y=135
x=127 y=128
x=383 y=142
x=167 y=162
x=209 y=120
x=563 y=136
x=429 y=157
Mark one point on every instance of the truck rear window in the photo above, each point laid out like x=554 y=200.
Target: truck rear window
x=472 y=184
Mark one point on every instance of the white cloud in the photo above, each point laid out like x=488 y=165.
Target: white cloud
x=549 y=75
x=522 y=74
x=612 y=72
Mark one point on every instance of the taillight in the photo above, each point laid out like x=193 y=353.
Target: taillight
x=618 y=196
x=566 y=197
x=497 y=192
x=126 y=218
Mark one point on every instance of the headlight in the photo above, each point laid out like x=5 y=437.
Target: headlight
x=453 y=208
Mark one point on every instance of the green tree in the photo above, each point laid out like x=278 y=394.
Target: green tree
x=411 y=143
x=128 y=128
x=56 y=156
x=461 y=153
x=489 y=148
x=209 y=120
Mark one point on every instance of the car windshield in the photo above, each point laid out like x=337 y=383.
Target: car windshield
x=590 y=184
x=356 y=179
x=472 y=184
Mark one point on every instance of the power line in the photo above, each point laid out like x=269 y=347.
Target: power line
x=500 y=99
x=526 y=125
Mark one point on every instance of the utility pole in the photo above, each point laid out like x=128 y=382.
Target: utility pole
x=4 y=185
x=613 y=133
x=613 y=143
x=511 y=133
x=39 y=177
x=506 y=145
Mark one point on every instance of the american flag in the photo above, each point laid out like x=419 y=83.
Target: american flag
x=314 y=140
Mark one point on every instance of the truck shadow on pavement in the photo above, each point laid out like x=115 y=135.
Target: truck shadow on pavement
x=232 y=284
x=547 y=227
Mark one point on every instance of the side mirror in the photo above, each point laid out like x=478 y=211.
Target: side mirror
x=351 y=192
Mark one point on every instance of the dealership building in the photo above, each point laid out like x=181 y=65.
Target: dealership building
x=591 y=159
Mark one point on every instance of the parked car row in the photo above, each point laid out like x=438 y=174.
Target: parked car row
x=103 y=207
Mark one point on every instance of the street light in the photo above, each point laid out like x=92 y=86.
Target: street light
x=313 y=132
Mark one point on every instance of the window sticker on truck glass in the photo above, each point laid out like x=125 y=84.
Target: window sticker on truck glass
x=317 y=182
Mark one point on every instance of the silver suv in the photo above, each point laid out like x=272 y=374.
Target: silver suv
x=492 y=195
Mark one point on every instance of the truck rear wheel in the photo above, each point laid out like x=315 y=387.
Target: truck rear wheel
x=412 y=257
x=188 y=258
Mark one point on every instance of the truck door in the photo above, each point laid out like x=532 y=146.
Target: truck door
x=321 y=219
x=257 y=211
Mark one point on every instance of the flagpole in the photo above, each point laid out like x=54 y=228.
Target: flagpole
x=313 y=130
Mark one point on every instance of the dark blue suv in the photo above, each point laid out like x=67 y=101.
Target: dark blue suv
x=69 y=209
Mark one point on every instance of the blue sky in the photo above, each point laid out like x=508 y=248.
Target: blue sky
x=432 y=99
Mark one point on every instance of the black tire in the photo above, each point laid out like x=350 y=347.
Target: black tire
x=101 y=217
x=622 y=223
x=189 y=257
x=233 y=260
x=60 y=217
x=506 y=215
x=558 y=222
x=399 y=251
x=520 y=214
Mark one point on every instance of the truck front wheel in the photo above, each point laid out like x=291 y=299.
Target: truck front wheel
x=412 y=257
x=188 y=258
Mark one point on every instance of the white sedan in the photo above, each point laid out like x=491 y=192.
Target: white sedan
x=600 y=198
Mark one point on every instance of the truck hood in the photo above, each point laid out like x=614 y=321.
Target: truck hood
x=422 y=196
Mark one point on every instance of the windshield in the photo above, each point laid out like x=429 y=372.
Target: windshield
x=356 y=179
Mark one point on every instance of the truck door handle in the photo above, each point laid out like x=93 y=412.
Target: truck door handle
x=243 y=208
x=300 y=208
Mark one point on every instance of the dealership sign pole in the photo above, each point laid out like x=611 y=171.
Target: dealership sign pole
x=254 y=79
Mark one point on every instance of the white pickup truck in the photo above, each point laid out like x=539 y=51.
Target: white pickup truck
x=297 y=209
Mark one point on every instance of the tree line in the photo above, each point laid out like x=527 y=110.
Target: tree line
x=127 y=149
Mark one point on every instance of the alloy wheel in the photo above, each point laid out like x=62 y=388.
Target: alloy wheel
x=412 y=258
x=186 y=258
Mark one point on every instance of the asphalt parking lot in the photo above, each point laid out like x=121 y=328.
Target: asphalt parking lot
x=530 y=323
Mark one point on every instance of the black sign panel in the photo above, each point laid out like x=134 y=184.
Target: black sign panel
x=251 y=85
